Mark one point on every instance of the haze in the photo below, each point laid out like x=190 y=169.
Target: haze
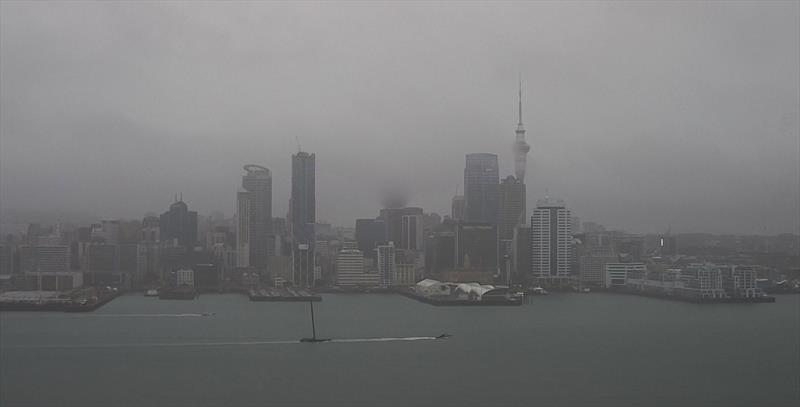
x=640 y=115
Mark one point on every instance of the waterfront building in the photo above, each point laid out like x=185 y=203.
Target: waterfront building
x=617 y=274
x=481 y=178
x=369 y=233
x=254 y=203
x=512 y=206
x=385 y=262
x=184 y=278
x=592 y=252
x=551 y=240
x=6 y=259
x=740 y=281
x=404 y=274
x=179 y=225
x=458 y=208
x=522 y=251
x=350 y=268
x=476 y=247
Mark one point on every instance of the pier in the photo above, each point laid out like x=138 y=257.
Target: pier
x=286 y=294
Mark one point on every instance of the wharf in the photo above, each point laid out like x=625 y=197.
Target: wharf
x=282 y=294
x=80 y=301
x=495 y=301
x=694 y=300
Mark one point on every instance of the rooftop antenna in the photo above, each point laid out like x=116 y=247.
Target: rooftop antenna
x=297 y=139
x=176 y=197
x=520 y=99
x=181 y=196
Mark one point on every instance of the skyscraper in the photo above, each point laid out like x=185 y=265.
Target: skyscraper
x=481 y=177
x=411 y=229
x=179 y=225
x=476 y=247
x=302 y=217
x=551 y=240
x=303 y=204
x=521 y=147
x=254 y=217
x=512 y=206
x=385 y=263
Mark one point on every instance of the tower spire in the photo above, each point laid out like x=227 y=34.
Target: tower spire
x=520 y=100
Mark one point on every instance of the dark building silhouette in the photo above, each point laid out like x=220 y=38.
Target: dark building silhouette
x=481 y=177
x=476 y=246
x=179 y=225
x=370 y=233
x=512 y=206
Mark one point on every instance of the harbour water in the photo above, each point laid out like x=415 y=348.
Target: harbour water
x=561 y=349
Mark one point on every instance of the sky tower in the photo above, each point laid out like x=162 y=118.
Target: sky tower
x=521 y=148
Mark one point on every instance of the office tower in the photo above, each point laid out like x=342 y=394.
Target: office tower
x=385 y=264
x=254 y=203
x=411 y=229
x=179 y=225
x=521 y=147
x=551 y=240
x=512 y=206
x=440 y=250
x=458 y=208
x=617 y=274
x=476 y=246
x=350 y=270
x=393 y=219
x=369 y=233
x=303 y=204
x=481 y=179
x=302 y=217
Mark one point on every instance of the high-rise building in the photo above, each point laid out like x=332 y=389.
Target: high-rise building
x=303 y=204
x=254 y=217
x=458 y=208
x=302 y=217
x=150 y=230
x=551 y=240
x=521 y=147
x=385 y=264
x=369 y=233
x=179 y=225
x=481 y=177
x=411 y=229
x=44 y=259
x=522 y=251
x=6 y=259
x=512 y=206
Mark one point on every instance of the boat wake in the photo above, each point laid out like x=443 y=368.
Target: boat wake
x=189 y=315
x=204 y=344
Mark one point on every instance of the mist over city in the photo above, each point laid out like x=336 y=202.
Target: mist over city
x=640 y=116
x=341 y=203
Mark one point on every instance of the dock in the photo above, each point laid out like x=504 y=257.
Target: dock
x=286 y=294
x=447 y=301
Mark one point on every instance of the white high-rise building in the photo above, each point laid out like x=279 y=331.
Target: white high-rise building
x=551 y=239
x=385 y=262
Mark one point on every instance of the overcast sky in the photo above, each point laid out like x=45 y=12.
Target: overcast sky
x=640 y=114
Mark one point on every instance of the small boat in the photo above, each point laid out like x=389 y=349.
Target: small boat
x=538 y=291
x=442 y=336
x=313 y=338
x=151 y=293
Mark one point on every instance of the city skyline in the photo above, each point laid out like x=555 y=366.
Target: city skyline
x=694 y=119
